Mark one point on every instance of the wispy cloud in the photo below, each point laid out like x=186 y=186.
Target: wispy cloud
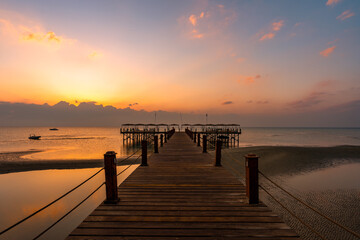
x=248 y=79
x=267 y=36
x=35 y=33
x=345 y=15
x=208 y=22
x=227 y=103
x=328 y=51
x=310 y=100
x=257 y=102
x=49 y=37
x=270 y=33
x=133 y=104
x=332 y=2
x=193 y=19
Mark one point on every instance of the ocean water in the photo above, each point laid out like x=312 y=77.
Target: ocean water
x=68 y=143
x=74 y=143
x=299 y=137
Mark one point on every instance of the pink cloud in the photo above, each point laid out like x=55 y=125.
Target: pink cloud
x=332 y=2
x=193 y=19
x=274 y=27
x=345 y=15
x=248 y=79
x=267 y=36
x=328 y=51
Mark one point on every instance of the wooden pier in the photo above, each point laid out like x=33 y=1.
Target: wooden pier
x=182 y=195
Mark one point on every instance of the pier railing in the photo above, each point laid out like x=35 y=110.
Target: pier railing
x=110 y=183
x=252 y=185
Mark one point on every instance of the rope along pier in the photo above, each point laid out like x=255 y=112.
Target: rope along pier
x=346 y=229
x=72 y=190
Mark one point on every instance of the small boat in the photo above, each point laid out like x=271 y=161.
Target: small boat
x=34 y=137
x=53 y=129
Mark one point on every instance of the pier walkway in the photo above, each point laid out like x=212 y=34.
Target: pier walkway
x=182 y=195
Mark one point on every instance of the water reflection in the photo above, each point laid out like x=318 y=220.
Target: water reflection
x=341 y=177
x=25 y=192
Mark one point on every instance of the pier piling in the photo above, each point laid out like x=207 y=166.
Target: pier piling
x=218 y=153
x=252 y=178
x=156 y=144
x=110 y=177
x=144 y=153
x=204 y=143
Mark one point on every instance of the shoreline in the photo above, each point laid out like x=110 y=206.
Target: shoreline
x=275 y=159
x=11 y=162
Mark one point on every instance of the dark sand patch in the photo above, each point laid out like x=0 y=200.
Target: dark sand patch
x=276 y=160
x=12 y=162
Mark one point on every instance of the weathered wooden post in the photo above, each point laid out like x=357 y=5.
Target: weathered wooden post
x=194 y=137
x=110 y=177
x=161 y=140
x=252 y=179
x=144 y=153
x=218 y=153
x=156 y=144
x=165 y=137
x=198 y=140
x=204 y=143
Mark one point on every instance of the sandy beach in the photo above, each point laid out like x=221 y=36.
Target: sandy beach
x=291 y=160
x=13 y=162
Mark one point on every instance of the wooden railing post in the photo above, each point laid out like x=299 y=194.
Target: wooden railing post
x=161 y=140
x=218 y=153
x=165 y=137
x=156 y=144
x=144 y=153
x=194 y=137
x=252 y=178
x=198 y=140
x=110 y=177
x=204 y=143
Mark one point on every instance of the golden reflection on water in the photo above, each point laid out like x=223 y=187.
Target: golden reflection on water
x=25 y=192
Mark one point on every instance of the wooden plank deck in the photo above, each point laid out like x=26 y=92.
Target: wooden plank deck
x=181 y=195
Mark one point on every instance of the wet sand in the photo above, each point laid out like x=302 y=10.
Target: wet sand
x=314 y=170
x=292 y=160
x=13 y=162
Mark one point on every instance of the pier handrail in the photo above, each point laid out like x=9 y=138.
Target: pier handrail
x=67 y=193
x=51 y=203
x=292 y=214
x=302 y=202
x=75 y=207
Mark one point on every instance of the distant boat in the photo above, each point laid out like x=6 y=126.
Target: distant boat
x=53 y=129
x=34 y=137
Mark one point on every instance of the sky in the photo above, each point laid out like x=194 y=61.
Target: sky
x=247 y=58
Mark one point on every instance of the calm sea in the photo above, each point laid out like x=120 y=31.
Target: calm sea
x=67 y=143
x=91 y=143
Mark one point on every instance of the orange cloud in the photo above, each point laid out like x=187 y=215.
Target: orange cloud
x=345 y=15
x=332 y=2
x=94 y=54
x=193 y=18
x=212 y=20
x=275 y=27
x=248 y=79
x=267 y=36
x=240 y=60
x=49 y=36
x=328 y=51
